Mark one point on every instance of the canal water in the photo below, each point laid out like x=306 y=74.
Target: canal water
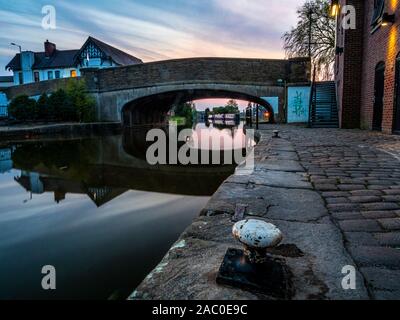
x=96 y=211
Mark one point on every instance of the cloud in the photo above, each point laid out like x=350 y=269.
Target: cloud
x=154 y=30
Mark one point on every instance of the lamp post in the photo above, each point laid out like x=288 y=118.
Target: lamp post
x=257 y=116
x=17 y=45
x=310 y=22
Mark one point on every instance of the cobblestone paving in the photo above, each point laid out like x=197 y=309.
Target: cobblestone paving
x=358 y=175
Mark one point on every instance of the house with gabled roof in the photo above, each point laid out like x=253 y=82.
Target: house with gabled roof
x=28 y=66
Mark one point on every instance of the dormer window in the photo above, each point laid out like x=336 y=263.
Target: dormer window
x=379 y=9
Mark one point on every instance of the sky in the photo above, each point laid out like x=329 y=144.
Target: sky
x=152 y=29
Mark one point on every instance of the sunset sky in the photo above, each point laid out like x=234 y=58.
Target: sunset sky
x=152 y=29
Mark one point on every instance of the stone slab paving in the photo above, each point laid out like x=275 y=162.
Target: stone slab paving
x=281 y=190
x=335 y=194
x=357 y=173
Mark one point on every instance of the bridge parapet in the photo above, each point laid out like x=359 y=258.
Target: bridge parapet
x=179 y=71
x=198 y=70
x=37 y=88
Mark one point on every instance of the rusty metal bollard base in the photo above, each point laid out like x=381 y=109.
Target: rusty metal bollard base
x=272 y=278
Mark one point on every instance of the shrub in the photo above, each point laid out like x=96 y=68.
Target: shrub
x=23 y=108
x=83 y=103
x=72 y=104
x=61 y=106
x=187 y=111
x=56 y=103
x=42 y=108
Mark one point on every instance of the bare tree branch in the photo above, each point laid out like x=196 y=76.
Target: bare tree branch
x=296 y=41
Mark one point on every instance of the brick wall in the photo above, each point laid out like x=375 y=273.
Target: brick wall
x=382 y=45
x=349 y=68
x=355 y=68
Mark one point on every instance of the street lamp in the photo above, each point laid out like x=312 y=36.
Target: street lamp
x=387 y=19
x=335 y=8
x=17 y=45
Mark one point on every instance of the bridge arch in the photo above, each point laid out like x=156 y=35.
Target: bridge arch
x=120 y=88
x=154 y=107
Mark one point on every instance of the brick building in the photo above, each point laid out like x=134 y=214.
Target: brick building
x=367 y=68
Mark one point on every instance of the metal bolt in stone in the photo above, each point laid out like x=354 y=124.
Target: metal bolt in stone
x=276 y=133
x=257 y=236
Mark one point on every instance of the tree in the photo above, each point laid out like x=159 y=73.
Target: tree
x=71 y=104
x=60 y=106
x=186 y=110
x=42 y=107
x=83 y=103
x=232 y=104
x=231 y=107
x=315 y=23
x=23 y=108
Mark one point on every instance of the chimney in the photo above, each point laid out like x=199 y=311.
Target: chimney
x=49 y=48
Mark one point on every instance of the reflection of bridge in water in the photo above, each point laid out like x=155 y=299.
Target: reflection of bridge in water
x=106 y=167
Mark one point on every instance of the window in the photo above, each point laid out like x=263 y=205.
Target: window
x=36 y=76
x=57 y=74
x=20 y=78
x=379 y=8
x=50 y=75
x=73 y=74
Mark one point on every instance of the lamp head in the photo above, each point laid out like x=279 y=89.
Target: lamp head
x=334 y=8
x=387 y=19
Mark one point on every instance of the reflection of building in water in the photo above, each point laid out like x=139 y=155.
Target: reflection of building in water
x=225 y=117
x=102 y=195
x=31 y=182
x=36 y=184
x=225 y=123
x=104 y=168
x=6 y=163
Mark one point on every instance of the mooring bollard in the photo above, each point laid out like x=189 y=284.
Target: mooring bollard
x=257 y=236
x=276 y=134
x=253 y=269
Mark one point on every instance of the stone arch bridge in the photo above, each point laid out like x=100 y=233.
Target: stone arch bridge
x=144 y=93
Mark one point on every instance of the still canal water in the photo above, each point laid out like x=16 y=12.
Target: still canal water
x=95 y=210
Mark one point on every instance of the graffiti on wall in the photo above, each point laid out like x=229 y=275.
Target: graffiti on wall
x=298 y=104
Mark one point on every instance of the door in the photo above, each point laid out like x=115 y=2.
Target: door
x=396 y=124
x=379 y=92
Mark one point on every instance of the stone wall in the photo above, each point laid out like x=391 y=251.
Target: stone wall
x=209 y=70
x=113 y=88
x=111 y=103
x=37 y=88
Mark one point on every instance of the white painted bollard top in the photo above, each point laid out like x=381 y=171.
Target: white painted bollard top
x=257 y=233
